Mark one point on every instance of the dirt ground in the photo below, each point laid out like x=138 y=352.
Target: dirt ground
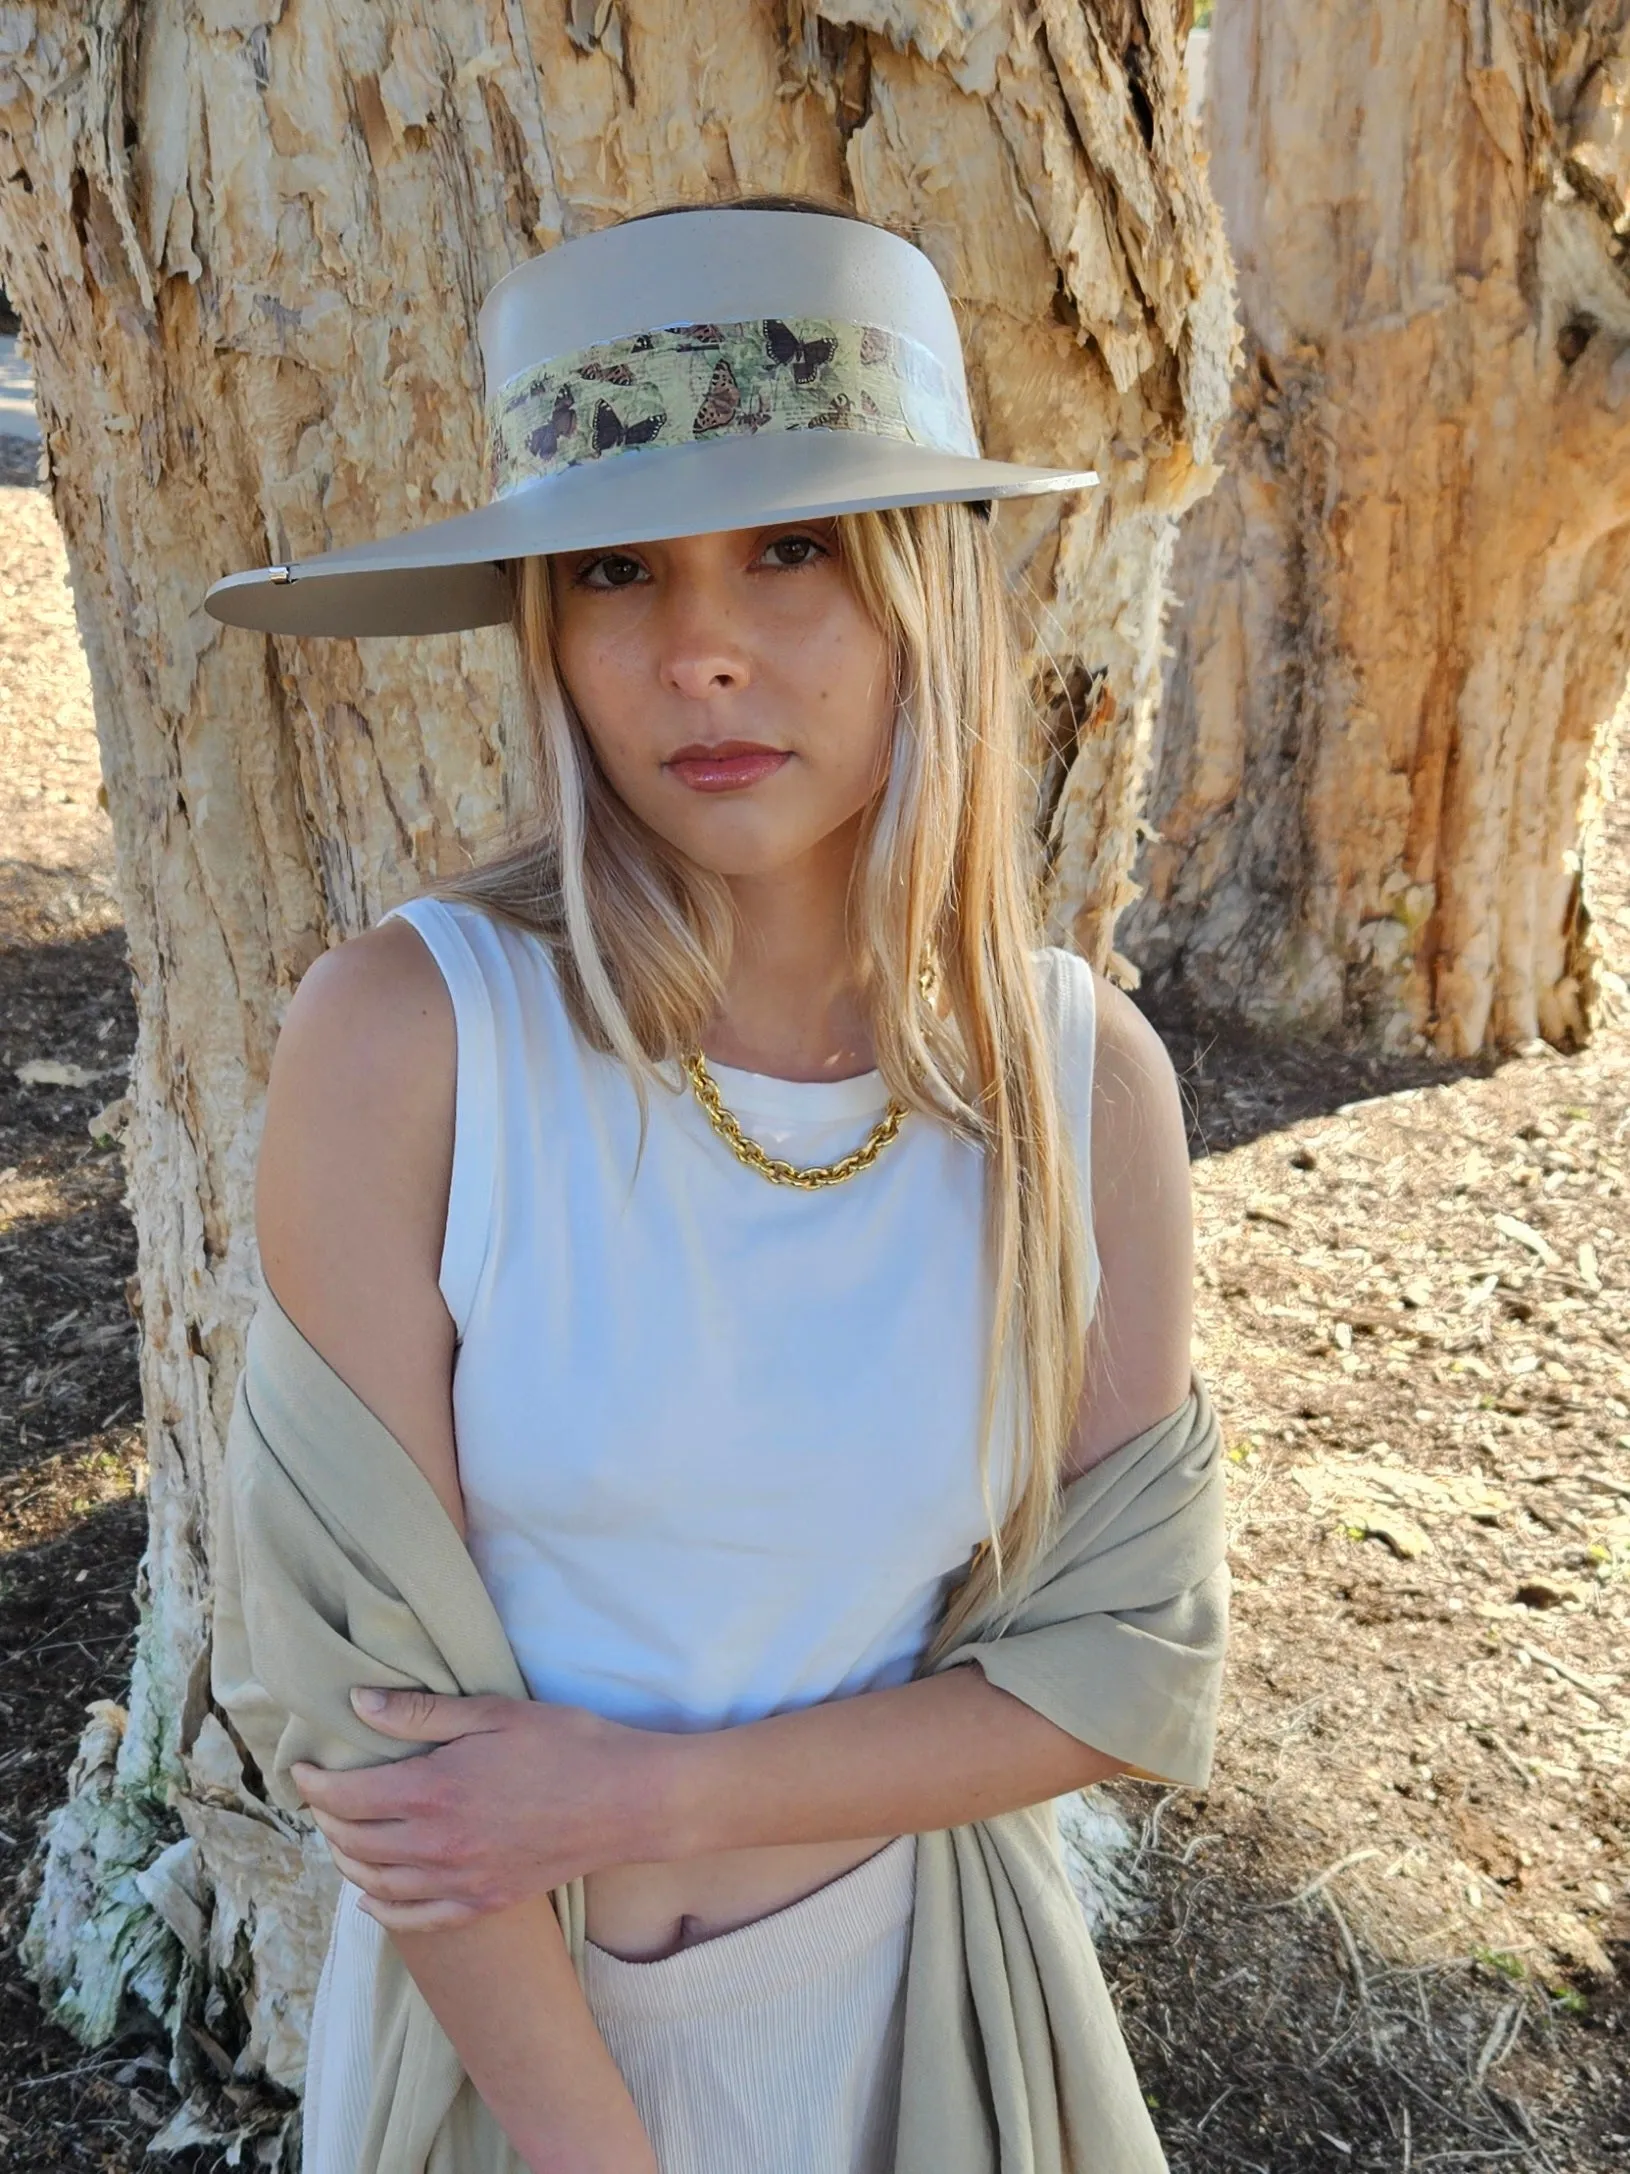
x=71 y=1465
x=1392 y=1934
x=1393 y=1931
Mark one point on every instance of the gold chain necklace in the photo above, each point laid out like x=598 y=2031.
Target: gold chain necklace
x=746 y=1150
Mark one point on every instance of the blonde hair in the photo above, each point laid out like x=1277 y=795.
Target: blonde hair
x=947 y=871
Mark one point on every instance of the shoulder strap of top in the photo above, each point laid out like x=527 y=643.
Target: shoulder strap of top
x=463 y=944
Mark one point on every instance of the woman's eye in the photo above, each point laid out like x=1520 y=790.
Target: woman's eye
x=795 y=550
x=611 y=570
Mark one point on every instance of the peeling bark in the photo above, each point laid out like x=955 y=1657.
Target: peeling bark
x=248 y=241
x=1404 y=616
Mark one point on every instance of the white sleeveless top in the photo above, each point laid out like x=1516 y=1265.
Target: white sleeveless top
x=717 y=1438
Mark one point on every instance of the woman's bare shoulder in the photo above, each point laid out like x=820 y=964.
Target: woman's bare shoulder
x=352 y=1181
x=1134 y=1084
x=1143 y=1226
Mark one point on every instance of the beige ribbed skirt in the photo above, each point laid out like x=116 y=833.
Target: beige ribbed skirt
x=773 y=2049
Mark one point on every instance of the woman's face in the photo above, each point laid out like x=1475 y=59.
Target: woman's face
x=737 y=697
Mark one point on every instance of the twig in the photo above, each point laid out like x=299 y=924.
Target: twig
x=1499 y=2042
x=1314 y=1885
x=1568 y=1675
x=1190 y=1898
x=1353 y=1857
x=1149 y=1840
x=1142 y=2023
x=1456 y=2158
x=66 y=2075
x=1199 y=1842
x=1360 y=1982
x=64 y=1645
x=1227 y=2091
x=1499 y=1744
x=1260 y=1482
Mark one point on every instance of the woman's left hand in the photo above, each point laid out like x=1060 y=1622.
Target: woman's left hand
x=520 y=1798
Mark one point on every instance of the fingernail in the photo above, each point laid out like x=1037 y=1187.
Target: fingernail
x=368 y=1702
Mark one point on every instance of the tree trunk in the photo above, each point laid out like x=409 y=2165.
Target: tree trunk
x=248 y=242
x=1405 y=615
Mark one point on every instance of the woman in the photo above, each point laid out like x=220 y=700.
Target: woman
x=712 y=1195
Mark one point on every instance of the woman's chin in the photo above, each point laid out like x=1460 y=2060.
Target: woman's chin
x=735 y=850
x=742 y=865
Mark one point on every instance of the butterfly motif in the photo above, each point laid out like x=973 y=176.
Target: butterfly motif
x=689 y=338
x=875 y=345
x=805 y=356
x=721 y=400
x=545 y=441
x=611 y=432
x=839 y=416
x=607 y=373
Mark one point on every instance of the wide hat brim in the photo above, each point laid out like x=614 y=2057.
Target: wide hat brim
x=446 y=576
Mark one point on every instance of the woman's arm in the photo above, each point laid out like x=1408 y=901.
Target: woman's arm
x=351 y=1205
x=545 y=1792
x=503 y=1989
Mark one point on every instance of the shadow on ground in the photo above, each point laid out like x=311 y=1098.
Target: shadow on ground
x=1239 y=1084
x=1270 y=2035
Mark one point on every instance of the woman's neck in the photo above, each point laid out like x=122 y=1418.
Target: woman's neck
x=792 y=1007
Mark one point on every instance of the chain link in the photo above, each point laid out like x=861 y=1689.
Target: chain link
x=748 y=1151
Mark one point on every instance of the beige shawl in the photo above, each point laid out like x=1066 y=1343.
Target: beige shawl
x=336 y=1565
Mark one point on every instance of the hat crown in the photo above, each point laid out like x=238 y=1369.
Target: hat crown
x=718 y=266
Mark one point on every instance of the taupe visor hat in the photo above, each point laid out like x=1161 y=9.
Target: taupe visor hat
x=711 y=369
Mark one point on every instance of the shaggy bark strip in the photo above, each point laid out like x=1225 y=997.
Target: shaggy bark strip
x=1405 y=616
x=248 y=240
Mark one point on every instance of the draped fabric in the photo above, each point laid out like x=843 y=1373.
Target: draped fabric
x=336 y=1565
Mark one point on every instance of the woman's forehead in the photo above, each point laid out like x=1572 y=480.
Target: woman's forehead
x=722 y=541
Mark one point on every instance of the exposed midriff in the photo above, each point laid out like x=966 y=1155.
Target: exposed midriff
x=642 y=1912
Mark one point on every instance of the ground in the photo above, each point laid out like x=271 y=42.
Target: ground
x=1392 y=1932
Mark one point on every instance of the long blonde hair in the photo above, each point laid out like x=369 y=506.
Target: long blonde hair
x=947 y=871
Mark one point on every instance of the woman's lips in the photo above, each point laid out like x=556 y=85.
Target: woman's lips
x=727 y=767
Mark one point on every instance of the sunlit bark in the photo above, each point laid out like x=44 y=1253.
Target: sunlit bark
x=1405 y=616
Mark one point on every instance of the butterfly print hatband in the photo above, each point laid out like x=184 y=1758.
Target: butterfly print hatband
x=691 y=383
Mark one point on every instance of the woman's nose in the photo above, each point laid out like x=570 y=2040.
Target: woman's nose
x=702 y=651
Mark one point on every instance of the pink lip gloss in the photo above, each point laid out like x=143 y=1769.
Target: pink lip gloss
x=716 y=773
